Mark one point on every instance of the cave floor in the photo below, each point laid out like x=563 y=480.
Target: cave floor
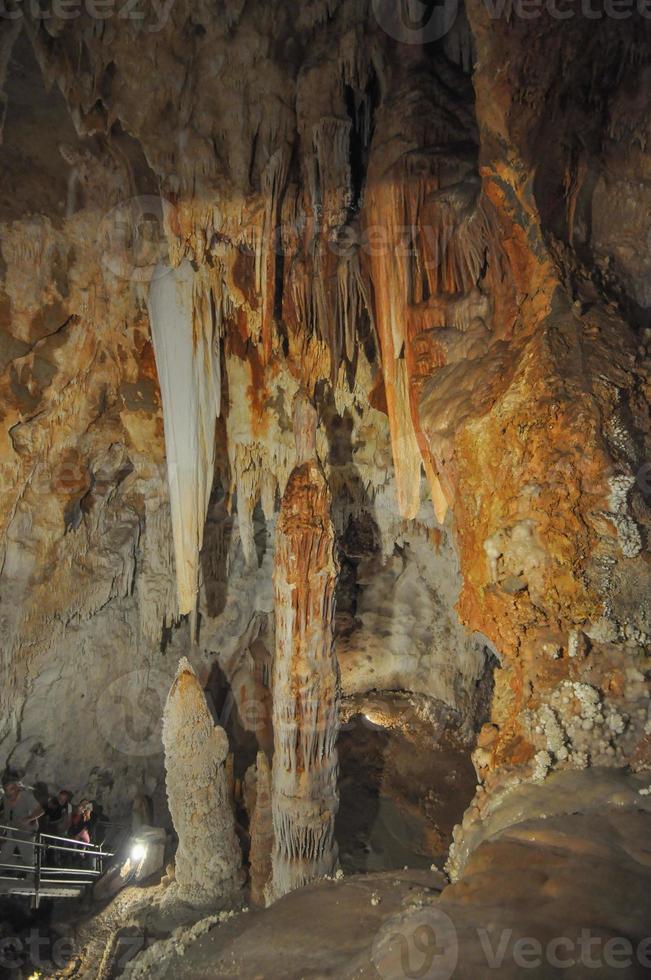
x=320 y=931
x=566 y=895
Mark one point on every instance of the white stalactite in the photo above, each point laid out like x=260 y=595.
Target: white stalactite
x=186 y=345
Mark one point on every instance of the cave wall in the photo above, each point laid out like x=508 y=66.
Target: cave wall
x=557 y=557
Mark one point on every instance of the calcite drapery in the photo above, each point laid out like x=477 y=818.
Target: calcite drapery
x=208 y=857
x=306 y=674
x=187 y=359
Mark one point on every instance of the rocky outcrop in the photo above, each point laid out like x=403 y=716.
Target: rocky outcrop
x=306 y=676
x=549 y=556
x=208 y=858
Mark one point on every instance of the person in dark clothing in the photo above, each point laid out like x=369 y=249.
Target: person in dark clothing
x=55 y=821
x=59 y=813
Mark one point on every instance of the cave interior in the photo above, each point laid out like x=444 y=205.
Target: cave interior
x=324 y=454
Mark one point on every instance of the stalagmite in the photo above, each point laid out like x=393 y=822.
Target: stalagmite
x=208 y=857
x=262 y=832
x=306 y=676
x=187 y=359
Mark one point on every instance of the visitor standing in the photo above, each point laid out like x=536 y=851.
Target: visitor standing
x=20 y=813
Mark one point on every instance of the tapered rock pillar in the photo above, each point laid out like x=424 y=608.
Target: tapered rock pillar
x=208 y=857
x=306 y=675
x=262 y=834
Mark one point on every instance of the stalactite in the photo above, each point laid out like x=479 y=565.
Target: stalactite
x=258 y=472
x=274 y=179
x=573 y=181
x=453 y=238
x=352 y=302
x=261 y=449
x=459 y=42
x=186 y=345
x=385 y=210
x=458 y=233
x=330 y=176
x=314 y=274
x=8 y=35
x=208 y=857
x=306 y=677
x=157 y=599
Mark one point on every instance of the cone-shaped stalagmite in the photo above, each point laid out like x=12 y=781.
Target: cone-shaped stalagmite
x=208 y=857
x=306 y=677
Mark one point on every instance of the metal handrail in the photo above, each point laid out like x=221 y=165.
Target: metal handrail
x=38 y=838
x=73 y=848
x=41 y=843
x=65 y=839
x=79 y=871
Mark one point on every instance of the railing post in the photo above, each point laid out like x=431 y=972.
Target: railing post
x=37 y=871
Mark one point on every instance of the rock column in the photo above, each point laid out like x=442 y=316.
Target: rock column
x=305 y=675
x=262 y=835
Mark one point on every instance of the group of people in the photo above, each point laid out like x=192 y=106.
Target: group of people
x=63 y=818
x=22 y=816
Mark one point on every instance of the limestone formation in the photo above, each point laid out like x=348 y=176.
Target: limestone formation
x=262 y=832
x=208 y=857
x=439 y=233
x=186 y=345
x=305 y=675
